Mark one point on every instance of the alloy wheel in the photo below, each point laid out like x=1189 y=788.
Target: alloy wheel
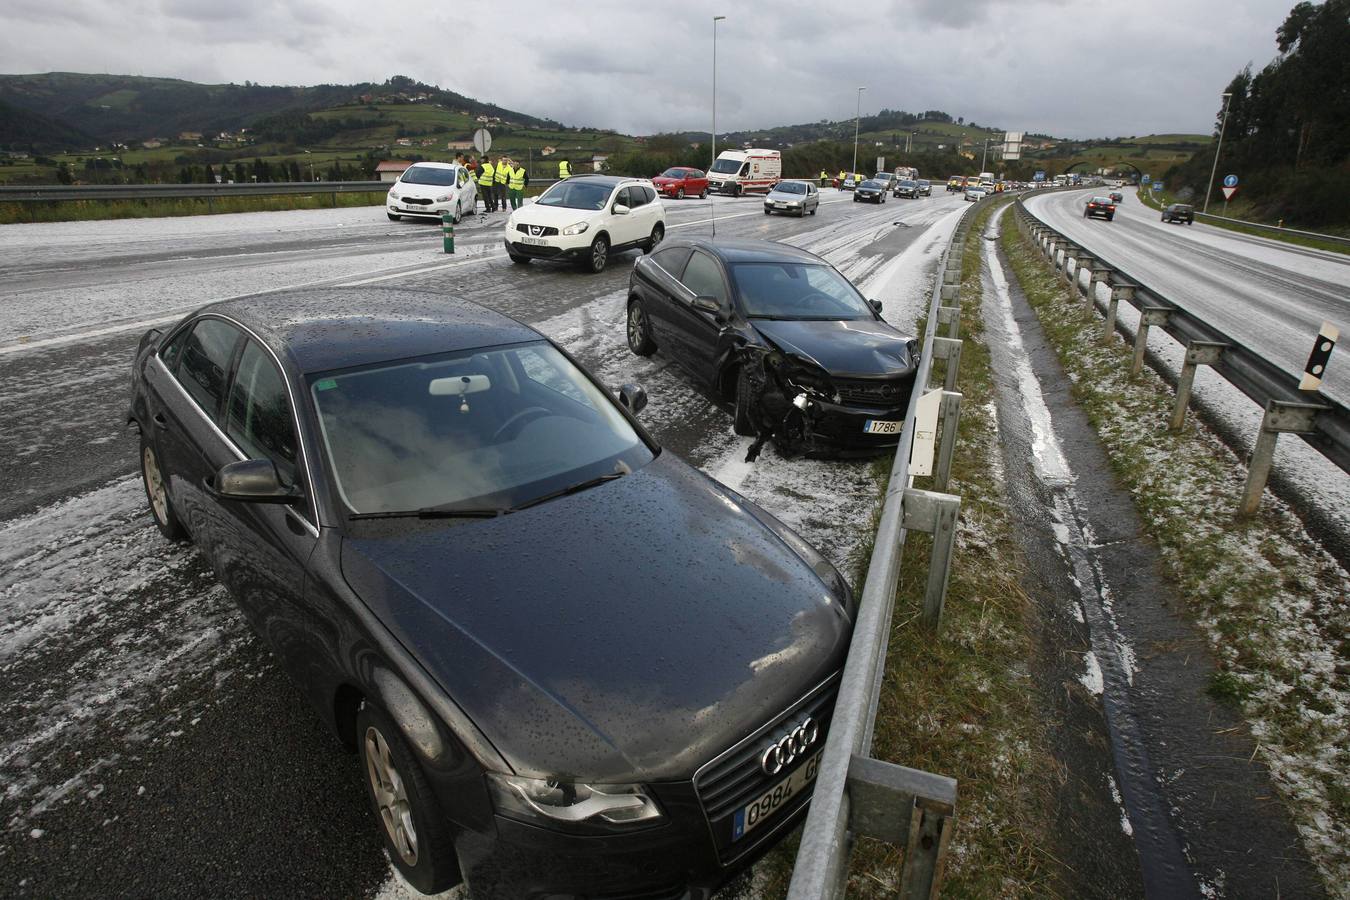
x=390 y=796
x=635 y=326
x=154 y=485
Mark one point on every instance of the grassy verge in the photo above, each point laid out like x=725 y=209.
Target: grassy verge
x=1272 y=603
x=961 y=702
x=86 y=210
x=1161 y=199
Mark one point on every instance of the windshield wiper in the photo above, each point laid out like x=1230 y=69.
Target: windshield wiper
x=571 y=489
x=431 y=512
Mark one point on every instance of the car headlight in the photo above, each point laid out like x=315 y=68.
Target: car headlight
x=573 y=806
x=578 y=228
x=794 y=203
x=393 y=195
x=445 y=199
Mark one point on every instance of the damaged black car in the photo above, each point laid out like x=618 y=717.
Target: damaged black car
x=802 y=357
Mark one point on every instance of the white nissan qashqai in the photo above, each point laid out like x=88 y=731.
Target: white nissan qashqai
x=431 y=188
x=585 y=218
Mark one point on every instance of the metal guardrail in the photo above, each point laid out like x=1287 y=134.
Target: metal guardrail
x=1322 y=422
x=854 y=794
x=1275 y=229
x=61 y=192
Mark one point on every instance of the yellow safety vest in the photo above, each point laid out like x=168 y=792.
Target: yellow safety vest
x=503 y=173
x=822 y=175
x=564 y=169
x=841 y=175
x=485 y=174
x=518 y=178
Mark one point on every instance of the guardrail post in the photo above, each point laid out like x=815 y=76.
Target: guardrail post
x=1280 y=417
x=1098 y=274
x=1119 y=292
x=906 y=808
x=951 y=418
x=936 y=514
x=1148 y=317
x=1072 y=253
x=1198 y=353
x=949 y=291
x=951 y=317
x=950 y=350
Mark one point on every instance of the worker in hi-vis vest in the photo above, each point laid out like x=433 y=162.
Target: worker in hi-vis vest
x=503 y=175
x=842 y=176
x=564 y=169
x=487 y=173
x=516 y=186
x=823 y=177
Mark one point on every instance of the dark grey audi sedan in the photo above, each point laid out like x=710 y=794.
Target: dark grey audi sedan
x=572 y=665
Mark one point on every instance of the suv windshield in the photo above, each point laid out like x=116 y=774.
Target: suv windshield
x=478 y=429
x=576 y=194
x=726 y=166
x=428 y=175
x=790 y=187
x=797 y=291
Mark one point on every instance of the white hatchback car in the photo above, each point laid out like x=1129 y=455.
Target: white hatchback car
x=431 y=188
x=585 y=218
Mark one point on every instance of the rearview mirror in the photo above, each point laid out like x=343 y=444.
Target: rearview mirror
x=633 y=398
x=876 y=305
x=620 y=210
x=251 y=481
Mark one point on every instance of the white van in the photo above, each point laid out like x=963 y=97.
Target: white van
x=736 y=171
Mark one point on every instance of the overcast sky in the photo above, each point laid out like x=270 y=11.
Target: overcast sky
x=1072 y=68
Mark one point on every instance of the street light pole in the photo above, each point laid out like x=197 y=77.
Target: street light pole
x=1223 y=123
x=857 y=120
x=716 y=19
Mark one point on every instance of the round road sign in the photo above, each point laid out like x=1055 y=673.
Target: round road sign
x=482 y=140
x=1230 y=181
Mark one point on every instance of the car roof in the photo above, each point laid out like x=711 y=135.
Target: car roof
x=605 y=179
x=320 y=329
x=428 y=164
x=733 y=251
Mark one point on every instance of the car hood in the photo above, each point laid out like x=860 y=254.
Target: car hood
x=424 y=191
x=664 y=179
x=628 y=632
x=557 y=216
x=863 y=348
x=785 y=196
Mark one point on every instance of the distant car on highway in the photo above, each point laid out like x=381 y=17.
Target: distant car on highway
x=679 y=183
x=781 y=335
x=798 y=197
x=429 y=189
x=956 y=184
x=1100 y=207
x=584 y=219
x=392 y=485
x=871 y=191
x=850 y=182
x=925 y=187
x=1117 y=196
x=1179 y=212
x=975 y=193
x=906 y=188
x=888 y=178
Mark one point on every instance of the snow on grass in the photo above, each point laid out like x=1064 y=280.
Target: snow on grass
x=1092 y=675
x=1272 y=601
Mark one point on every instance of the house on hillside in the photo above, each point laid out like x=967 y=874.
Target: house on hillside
x=390 y=169
x=598 y=161
x=404 y=142
x=459 y=145
x=190 y=136
x=548 y=151
x=152 y=144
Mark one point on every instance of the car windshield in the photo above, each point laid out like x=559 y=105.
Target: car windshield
x=872 y=184
x=784 y=290
x=908 y=183
x=428 y=175
x=479 y=429
x=576 y=194
x=791 y=187
x=923 y=183
x=674 y=173
x=726 y=166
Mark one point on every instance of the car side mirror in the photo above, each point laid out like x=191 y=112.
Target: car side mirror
x=716 y=307
x=252 y=481
x=876 y=306
x=620 y=210
x=633 y=398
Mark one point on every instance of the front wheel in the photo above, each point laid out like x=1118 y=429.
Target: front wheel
x=640 y=339
x=743 y=422
x=393 y=217
x=703 y=194
x=814 y=208
x=157 y=494
x=416 y=833
x=599 y=256
x=735 y=190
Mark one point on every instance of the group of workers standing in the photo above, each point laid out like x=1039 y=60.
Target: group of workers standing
x=503 y=182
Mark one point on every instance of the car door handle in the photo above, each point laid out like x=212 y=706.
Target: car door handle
x=160 y=422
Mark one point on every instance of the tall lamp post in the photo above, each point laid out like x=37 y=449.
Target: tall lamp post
x=1223 y=123
x=857 y=120
x=984 y=157
x=716 y=19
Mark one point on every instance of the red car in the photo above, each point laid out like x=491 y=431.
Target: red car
x=680 y=183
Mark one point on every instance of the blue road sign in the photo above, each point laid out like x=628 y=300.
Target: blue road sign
x=1230 y=181
x=1157 y=186
x=1039 y=176
x=1146 y=179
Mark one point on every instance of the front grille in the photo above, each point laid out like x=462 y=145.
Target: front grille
x=418 y=200
x=535 y=251
x=536 y=230
x=735 y=778
x=878 y=392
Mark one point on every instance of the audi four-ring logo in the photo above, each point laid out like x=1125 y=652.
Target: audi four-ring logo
x=787 y=749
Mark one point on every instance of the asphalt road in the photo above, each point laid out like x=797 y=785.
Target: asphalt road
x=150 y=745
x=1269 y=295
